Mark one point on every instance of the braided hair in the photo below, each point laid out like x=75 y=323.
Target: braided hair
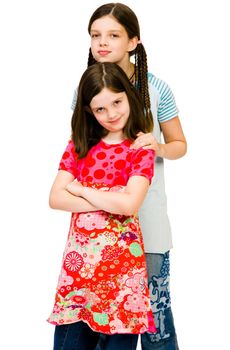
x=127 y=18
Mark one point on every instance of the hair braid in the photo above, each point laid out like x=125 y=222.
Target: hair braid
x=141 y=78
x=91 y=60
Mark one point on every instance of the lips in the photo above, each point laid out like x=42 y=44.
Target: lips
x=103 y=52
x=115 y=121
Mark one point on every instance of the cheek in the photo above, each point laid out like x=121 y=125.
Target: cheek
x=99 y=119
x=93 y=47
x=126 y=111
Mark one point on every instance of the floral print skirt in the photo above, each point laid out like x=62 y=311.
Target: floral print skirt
x=103 y=280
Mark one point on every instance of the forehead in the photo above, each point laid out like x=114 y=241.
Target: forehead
x=108 y=23
x=105 y=97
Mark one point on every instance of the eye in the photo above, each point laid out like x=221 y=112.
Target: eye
x=114 y=35
x=117 y=102
x=99 y=110
x=94 y=35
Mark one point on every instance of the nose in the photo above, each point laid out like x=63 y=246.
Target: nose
x=111 y=115
x=103 y=41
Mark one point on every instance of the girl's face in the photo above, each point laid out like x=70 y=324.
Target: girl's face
x=111 y=109
x=110 y=41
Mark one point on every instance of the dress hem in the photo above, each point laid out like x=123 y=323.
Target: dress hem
x=150 y=329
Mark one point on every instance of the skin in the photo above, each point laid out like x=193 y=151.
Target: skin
x=175 y=145
x=110 y=43
x=122 y=203
x=112 y=111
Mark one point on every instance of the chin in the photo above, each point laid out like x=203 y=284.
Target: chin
x=105 y=59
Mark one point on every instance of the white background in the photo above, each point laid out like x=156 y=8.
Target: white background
x=44 y=50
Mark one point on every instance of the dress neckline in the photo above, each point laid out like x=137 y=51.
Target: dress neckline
x=115 y=144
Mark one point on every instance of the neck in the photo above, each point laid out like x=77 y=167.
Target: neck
x=113 y=137
x=128 y=68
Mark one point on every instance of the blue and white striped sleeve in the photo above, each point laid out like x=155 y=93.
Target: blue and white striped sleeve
x=167 y=108
x=74 y=100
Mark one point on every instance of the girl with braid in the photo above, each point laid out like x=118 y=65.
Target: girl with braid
x=115 y=37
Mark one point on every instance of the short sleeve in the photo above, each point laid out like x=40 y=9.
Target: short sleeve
x=142 y=163
x=167 y=108
x=69 y=160
x=162 y=95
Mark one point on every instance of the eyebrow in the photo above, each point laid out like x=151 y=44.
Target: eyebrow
x=102 y=106
x=109 y=31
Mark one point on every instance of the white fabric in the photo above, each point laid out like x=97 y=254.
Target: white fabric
x=153 y=213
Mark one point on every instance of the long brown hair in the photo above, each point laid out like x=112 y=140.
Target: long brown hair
x=86 y=131
x=127 y=18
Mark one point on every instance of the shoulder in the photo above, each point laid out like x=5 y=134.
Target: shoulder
x=142 y=163
x=142 y=156
x=70 y=148
x=162 y=99
x=69 y=155
x=158 y=85
x=68 y=161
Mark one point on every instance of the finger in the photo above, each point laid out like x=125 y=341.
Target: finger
x=148 y=147
x=140 y=133
x=140 y=140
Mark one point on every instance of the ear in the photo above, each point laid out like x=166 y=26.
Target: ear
x=132 y=44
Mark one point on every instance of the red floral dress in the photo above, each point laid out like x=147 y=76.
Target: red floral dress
x=103 y=280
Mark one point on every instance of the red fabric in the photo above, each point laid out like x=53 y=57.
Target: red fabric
x=110 y=164
x=103 y=280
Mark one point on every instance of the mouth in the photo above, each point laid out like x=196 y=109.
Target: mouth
x=103 y=52
x=115 y=121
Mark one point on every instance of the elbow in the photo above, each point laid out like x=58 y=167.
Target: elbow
x=184 y=150
x=52 y=201
x=129 y=210
x=129 y=205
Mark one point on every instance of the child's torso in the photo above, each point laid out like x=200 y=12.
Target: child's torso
x=106 y=163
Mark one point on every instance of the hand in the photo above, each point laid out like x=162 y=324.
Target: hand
x=146 y=141
x=75 y=188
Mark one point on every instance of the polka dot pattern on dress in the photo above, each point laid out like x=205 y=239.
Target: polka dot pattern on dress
x=109 y=163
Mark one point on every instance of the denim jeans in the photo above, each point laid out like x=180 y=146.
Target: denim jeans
x=79 y=336
x=75 y=336
x=158 y=281
x=118 y=342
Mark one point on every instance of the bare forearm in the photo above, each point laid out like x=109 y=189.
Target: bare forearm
x=172 y=150
x=123 y=203
x=113 y=202
x=64 y=200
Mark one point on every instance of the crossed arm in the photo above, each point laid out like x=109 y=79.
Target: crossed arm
x=69 y=195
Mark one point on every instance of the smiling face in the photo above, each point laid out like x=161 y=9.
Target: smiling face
x=111 y=109
x=110 y=41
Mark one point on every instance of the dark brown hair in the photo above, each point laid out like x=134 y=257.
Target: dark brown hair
x=127 y=18
x=86 y=131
